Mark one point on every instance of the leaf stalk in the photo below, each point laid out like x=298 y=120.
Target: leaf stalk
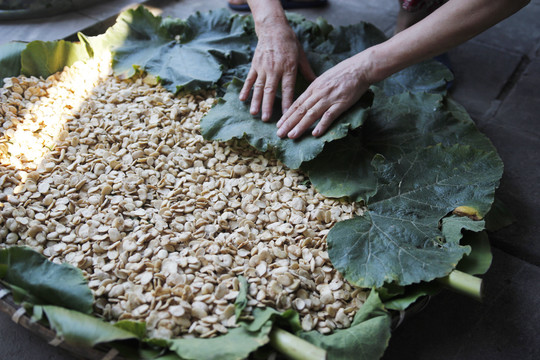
x=294 y=347
x=463 y=283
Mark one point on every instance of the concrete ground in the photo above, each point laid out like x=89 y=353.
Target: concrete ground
x=497 y=80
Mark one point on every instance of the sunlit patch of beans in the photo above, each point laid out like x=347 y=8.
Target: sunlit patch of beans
x=121 y=184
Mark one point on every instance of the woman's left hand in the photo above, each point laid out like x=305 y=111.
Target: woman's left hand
x=326 y=98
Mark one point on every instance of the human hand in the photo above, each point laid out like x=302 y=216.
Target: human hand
x=277 y=58
x=326 y=98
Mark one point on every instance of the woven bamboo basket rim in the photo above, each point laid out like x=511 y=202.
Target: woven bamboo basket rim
x=103 y=352
x=19 y=316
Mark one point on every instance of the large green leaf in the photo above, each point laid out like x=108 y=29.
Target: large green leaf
x=401 y=123
x=288 y=318
x=453 y=227
x=326 y=46
x=395 y=125
x=187 y=54
x=429 y=76
x=10 y=60
x=467 y=232
x=366 y=339
x=399 y=240
x=135 y=327
x=81 y=329
x=479 y=260
x=43 y=58
x=310 y=33
x=343 y=169
x=44 y=281
x=410 y=294
x=242 y=298
x=230 y=119
x=237 y=344
x=340 y=43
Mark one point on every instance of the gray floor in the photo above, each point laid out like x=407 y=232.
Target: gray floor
x=497 y=80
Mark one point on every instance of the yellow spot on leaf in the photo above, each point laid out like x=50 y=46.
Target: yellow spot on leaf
x=468 y=211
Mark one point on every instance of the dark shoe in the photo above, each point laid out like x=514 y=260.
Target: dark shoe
x=287 y=4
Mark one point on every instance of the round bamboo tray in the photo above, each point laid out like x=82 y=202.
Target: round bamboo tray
x=19 y=316
x=103 y=352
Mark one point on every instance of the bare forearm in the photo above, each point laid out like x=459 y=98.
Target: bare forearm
x=267 y=14
x=452 y=24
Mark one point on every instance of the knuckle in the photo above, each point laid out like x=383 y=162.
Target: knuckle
x=327 y=118
x=290 y=65
x=328 y=114
x=302 y=109
x=269 y=90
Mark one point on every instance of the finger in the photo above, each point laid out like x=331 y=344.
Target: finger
x=312 y=115
x=296 y=106
x=248 y=84
x=328 y=118
x=258 y=92
x=287 y=89
x=298 y=113
x=270 y=89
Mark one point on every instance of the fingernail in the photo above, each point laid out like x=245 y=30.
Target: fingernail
x=292 y=134
x=281 y=132
x=265 y=116
x=316 y=132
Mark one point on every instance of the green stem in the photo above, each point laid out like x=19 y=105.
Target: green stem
x=294 y=347
x=463 y=283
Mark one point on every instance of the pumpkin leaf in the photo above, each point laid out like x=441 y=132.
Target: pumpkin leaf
x=45 y=282
x=366 y=339
x=10 y=59
x=80 y=329
x=241 y=299
x=230 y=119
x=343 y=169
x=43 y=58
x=453 y=227
x=410 y=294
x=478 y=261
x=399 y=240
x=237 y=344
x=395 y=125
x=429 y=76
x=189 y=54
x=135 y=327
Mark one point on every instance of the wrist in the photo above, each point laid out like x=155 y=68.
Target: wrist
x=377 y=66
x=267 y=14
x=270 y=25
